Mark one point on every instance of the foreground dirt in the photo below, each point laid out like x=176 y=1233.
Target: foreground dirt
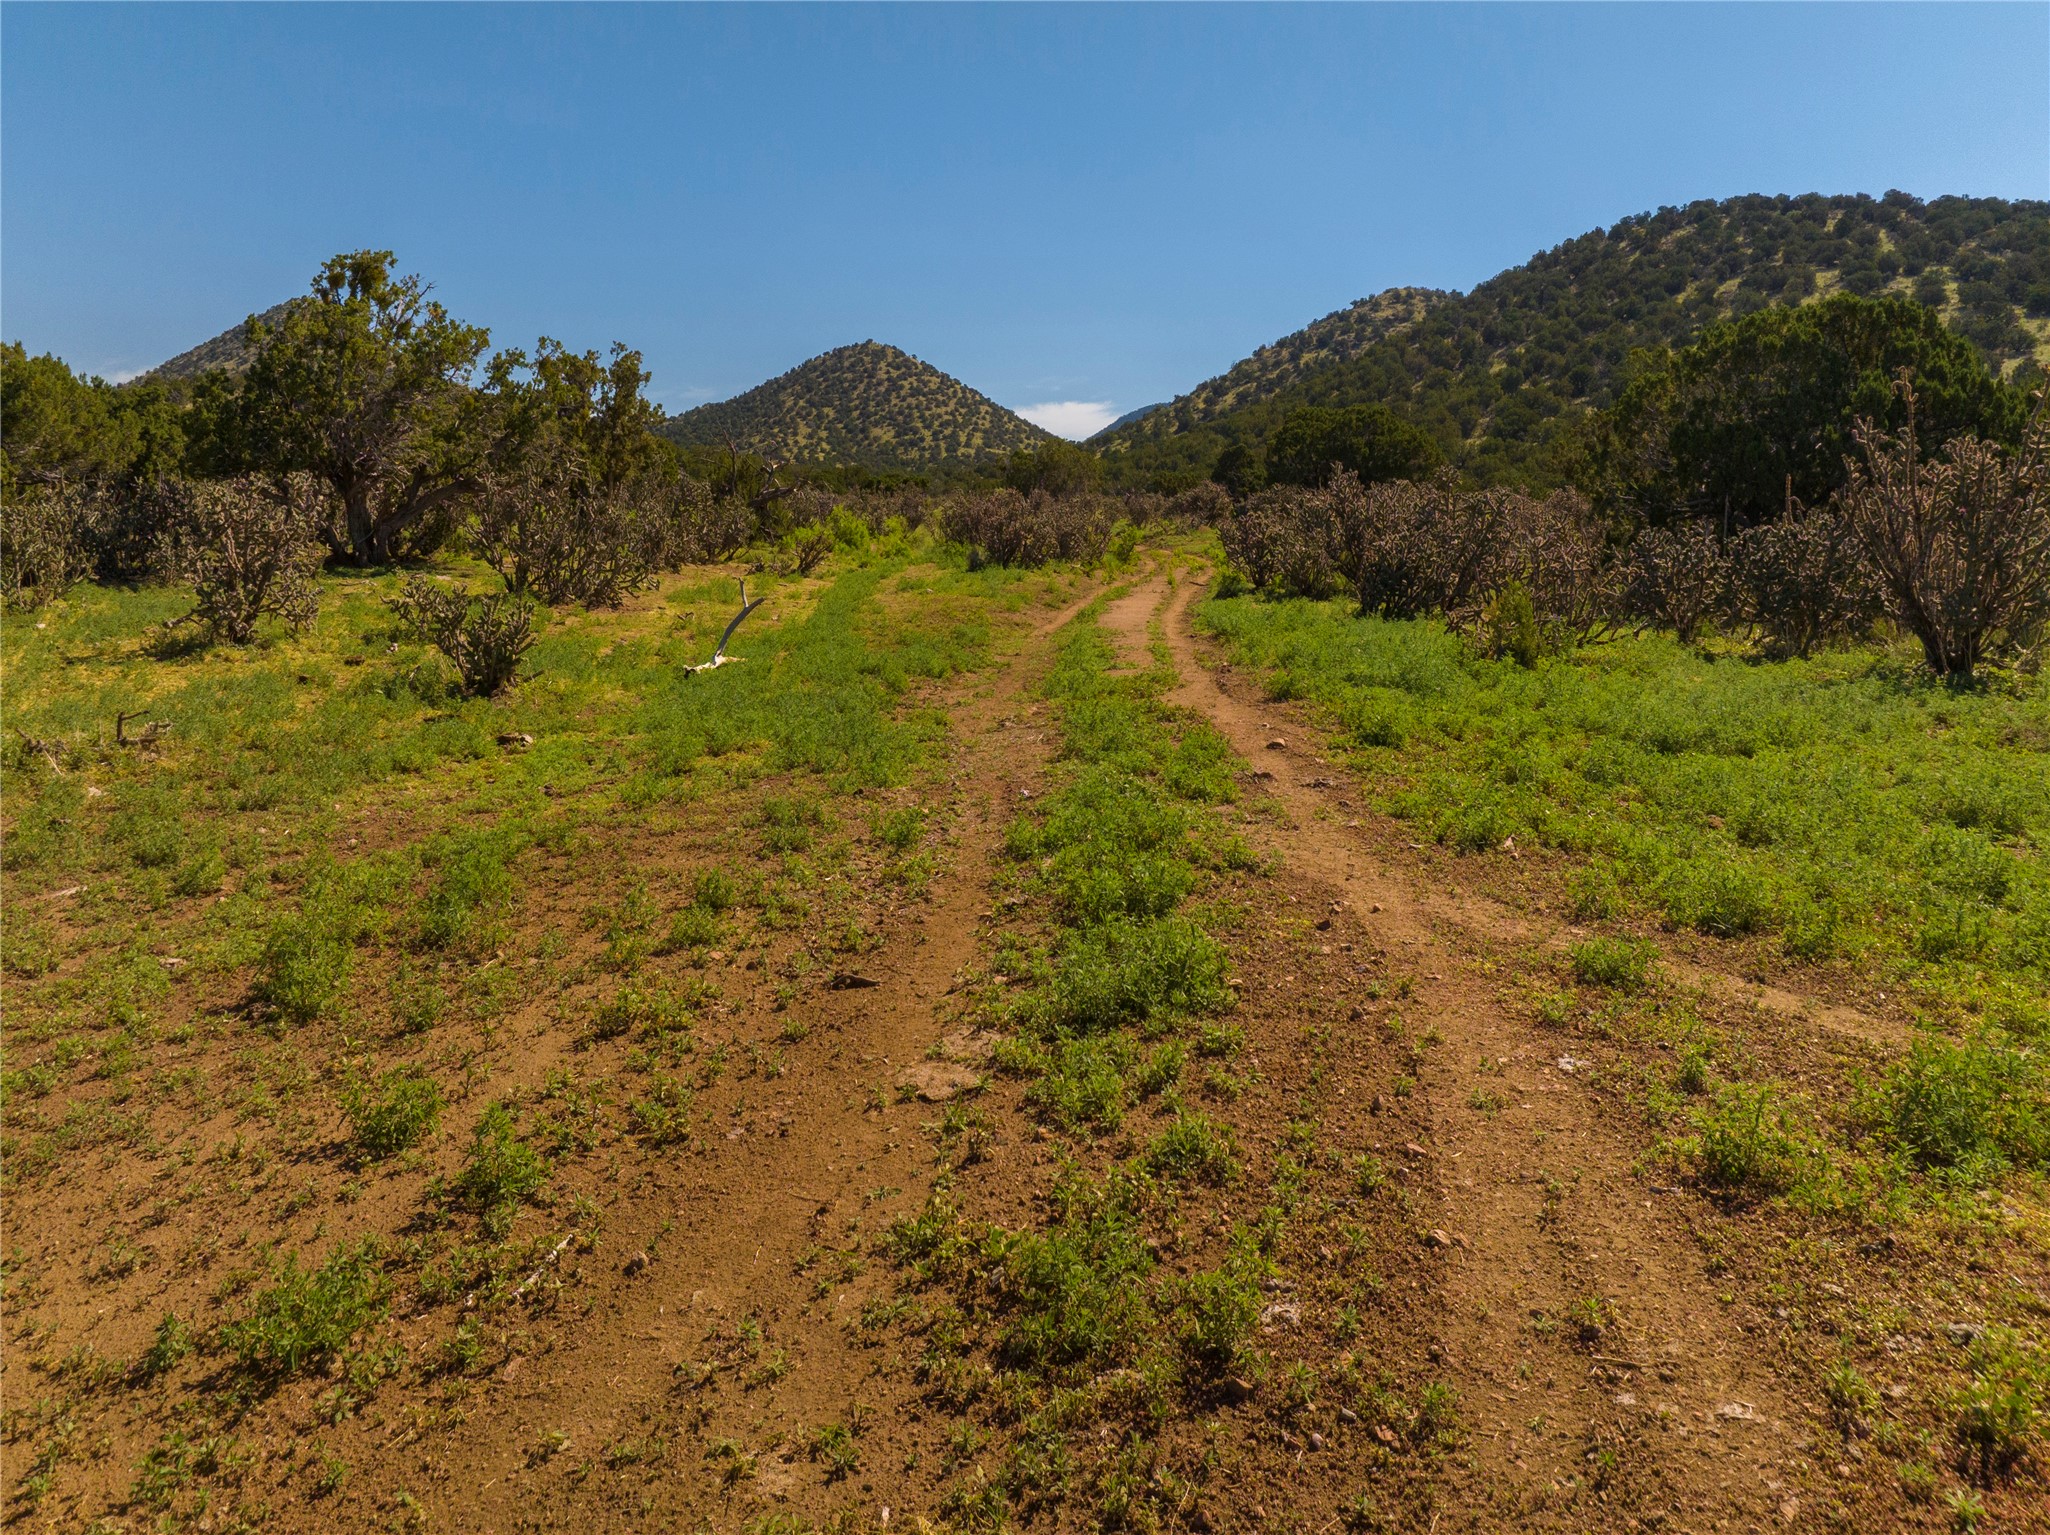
x=683 y=1351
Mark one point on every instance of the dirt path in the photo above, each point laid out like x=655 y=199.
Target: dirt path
x=747 y=1256
x=1579 y=1322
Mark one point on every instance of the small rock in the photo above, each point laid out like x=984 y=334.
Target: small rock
x=1316 y=1441
x=1964 y=1334
x=636 y=1263
x=1413 y=1149
x=1438 y=1238
x=848 y=980
x=1737 y=1412
x=1347 y=1415
x=1378 y=1106
x=1375 y=907
x=1716 y=822
x=515 y=740
x=1625 y=1399
x=1277 y=745
x=1384 y=1433
x=1323 y=924
x=1240 y=1388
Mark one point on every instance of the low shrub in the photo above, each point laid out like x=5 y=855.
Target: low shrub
x=483 y=637
x=1007 y=527
x=1677 y=577
x=1960 y=545
x=1801 y=582
x=501 y=1173
x=1194 y=1147
x=43 y=551
x=307 y=1315
x=1621 y=964
x=249 y=548
x=396 y=1112
x=1976 y=1106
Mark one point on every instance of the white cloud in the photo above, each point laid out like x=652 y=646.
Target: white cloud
x=1073 y=419
x=123 y=375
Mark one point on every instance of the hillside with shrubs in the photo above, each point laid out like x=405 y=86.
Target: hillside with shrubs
x=863 y=404
x=1499 y=375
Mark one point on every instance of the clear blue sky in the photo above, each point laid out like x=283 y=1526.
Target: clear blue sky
x=1055 y=203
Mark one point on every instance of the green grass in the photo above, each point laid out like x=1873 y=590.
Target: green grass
x=1844 y=806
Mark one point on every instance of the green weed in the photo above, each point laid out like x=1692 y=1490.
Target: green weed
x=396 y=1112
x=309 y=1314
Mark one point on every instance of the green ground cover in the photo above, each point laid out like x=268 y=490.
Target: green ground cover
x=1844 y=807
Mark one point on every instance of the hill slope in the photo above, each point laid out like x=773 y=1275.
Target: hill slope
x=230 y=350
x=1494 y=373
x=867 y=404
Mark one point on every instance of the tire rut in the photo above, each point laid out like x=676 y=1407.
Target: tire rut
x=1546 y=1226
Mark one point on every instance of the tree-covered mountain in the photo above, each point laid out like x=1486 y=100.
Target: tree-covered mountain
x=229 y=350
x=864 y=404
x=1336 y=338
x=1494 y=374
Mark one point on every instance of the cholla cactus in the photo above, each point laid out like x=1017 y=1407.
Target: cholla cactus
x=246 y=547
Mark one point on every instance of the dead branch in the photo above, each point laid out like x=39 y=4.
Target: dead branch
x=719 y=656
x=153 y=731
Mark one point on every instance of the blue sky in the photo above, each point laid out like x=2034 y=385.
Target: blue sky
x=1079 y=205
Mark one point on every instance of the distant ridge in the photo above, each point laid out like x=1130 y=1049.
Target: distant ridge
x=229 y=350
x=1338 y=337
x=1129 y=417
x=1495 y=374
x=862 y=404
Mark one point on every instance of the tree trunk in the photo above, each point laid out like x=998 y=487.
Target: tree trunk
x=362 y=530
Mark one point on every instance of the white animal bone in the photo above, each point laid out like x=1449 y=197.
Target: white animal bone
x=719 y=656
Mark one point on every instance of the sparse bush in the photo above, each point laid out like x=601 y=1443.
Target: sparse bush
x=1617 y=963
x=309 y=1314
x=1007 y=527
x=1219 y=1309
x=1205 y=504
x=502 y=1171
x=707 y=527
x=42 y=545
x=1291 y=540
x=484 y=637
x=248 y=548
x=1976 y=1106
x=1677 y=575
x=1961 y=545
x=1194 y=1146
x=2004 y=1409
x=171 y=1343
x=1124 y=972
x=304 y=961
x=556 y=530
x=1801 y=581
x=398 y=1111
x=1746 y=1141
